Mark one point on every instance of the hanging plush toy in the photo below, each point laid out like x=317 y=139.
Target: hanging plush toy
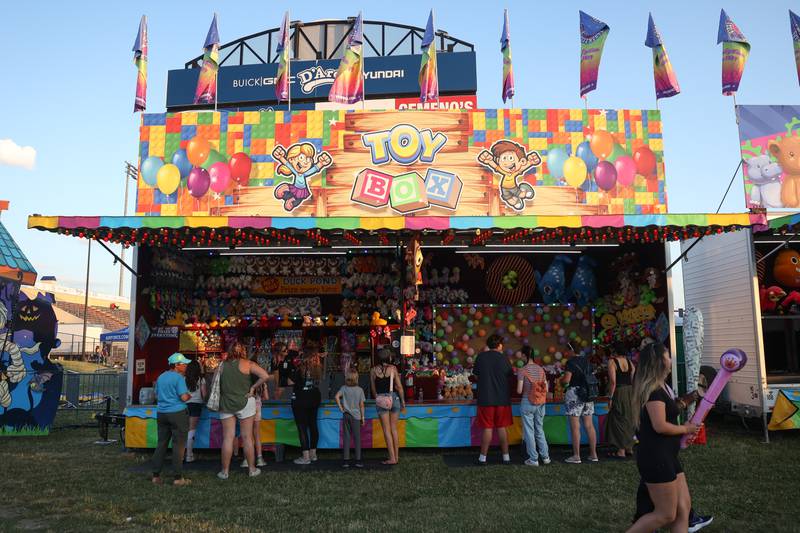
x=786 y=269
x=770 y=297
x=584 y=284
x=552 y=285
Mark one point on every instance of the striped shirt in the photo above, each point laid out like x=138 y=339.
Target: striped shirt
x=534 y=372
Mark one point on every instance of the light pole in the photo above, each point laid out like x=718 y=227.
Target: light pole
x=86 y=298
x=130 y=173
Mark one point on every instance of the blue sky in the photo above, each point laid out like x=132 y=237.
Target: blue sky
x=69 y=83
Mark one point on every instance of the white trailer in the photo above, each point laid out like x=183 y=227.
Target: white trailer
x=720 y=276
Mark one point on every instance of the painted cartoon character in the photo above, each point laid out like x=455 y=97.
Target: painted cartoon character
x=787 y=152
x=584 y=285
x=301 y=161
x=552 y=285
x=765 y=175
x=510 y=160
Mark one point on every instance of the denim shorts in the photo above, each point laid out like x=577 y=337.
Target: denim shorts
x=395 y=404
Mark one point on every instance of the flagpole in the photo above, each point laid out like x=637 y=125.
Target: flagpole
x=735 y=112
x=289 y=63
x=363 y=66
x=433 y=17
x=216 y=76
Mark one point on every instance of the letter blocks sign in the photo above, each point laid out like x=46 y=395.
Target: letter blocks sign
x=443 y=188
x=372 y=188
x=408 y=193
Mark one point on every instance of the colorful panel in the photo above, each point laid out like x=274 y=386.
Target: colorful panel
x=333 y=163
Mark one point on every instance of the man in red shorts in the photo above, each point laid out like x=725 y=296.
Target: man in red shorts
x=494 y=397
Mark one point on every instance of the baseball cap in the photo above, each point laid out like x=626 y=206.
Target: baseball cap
x=177 y=358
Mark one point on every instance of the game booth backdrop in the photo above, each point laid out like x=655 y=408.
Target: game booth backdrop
x=30 y=384
x=425 y=228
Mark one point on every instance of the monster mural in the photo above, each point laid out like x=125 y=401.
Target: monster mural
x=30 y=384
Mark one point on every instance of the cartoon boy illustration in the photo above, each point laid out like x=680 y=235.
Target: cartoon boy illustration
x=510 y=160
x=301 y=161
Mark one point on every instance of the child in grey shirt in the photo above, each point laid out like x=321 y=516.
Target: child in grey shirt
x=350 y=400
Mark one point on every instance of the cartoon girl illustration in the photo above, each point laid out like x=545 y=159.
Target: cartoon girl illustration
x=301 y=161
x=509 y=159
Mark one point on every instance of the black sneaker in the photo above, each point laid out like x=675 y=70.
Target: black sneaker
x=478 y=462
x=697 y=522
x=506 y=462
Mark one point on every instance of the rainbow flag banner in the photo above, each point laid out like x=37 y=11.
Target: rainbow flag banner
x=140 y=60
x=786 y=412
x=505 y=49
x=206 y=92
x=348 y=86
x=435 y=425
x=794 y=24
x=593 y=38
x=735 y=50
x=282 y=77
x=428 y=71
x=665 y=79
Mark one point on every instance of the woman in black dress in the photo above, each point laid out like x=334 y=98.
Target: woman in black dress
x=656 y=416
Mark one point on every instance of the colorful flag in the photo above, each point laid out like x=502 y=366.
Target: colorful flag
x=508 y=71
x=666 y=81
x=428 y=71
x=282 y=78
x=735 y=50
x=794 y=23
x=593 y=38
x=206 y=92
x=140 y=60
x=348 y=86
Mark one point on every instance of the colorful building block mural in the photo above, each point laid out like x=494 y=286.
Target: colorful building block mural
x=334 y=163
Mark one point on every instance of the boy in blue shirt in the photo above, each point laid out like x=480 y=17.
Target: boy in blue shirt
x=173 y=418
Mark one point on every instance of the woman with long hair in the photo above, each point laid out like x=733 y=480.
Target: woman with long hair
x=306 y=398
x=197 y=388
x=385 y=382
x=260 y=394
x=619 y=423
x=237 y=401
x=656 y=417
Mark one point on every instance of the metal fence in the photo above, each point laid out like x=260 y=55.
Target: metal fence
x=84 y=394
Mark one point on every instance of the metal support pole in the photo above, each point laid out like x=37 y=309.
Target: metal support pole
x=86 y=298
x=130 y=173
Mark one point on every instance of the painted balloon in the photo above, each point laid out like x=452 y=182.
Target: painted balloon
x=617 y=152
x=149 y=170
x=198 y=182
x=220 y=175
x=197 y=151
x=605 y=175
x=601 y=143
x=213 y=158
x=556 y=157
x=575 y=171
x=168 y=178
x=584 y=151
x=645 y=161
x=181 y=160
x=626 y=170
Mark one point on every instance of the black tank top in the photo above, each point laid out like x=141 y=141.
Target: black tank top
x=623 y=378
x=382 y=384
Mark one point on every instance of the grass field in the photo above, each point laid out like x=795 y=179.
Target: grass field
x=83 y=366
x=66 y=483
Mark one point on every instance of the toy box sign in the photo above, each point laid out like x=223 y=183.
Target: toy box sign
x=334 y=163
x=769 y=140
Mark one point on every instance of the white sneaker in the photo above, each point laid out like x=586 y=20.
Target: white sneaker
x=314 y=458
x=189 y=458
x=546 y=461
x=254 y=473
x=302 y=461
x=244 y=464
x=528 y=462
x=222 y=475
x=260 y=461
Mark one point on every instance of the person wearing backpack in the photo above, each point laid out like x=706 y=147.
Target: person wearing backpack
x=532 y=385
x=579 y=402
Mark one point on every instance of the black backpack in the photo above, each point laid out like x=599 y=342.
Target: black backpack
x=590 y=390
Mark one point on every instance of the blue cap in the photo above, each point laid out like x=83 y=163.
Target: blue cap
x=177 y=358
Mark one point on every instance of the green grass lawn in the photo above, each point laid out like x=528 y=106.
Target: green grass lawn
x=83 y=366
x=64 y=482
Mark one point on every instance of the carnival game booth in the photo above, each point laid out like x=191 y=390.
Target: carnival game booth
x=427 y=231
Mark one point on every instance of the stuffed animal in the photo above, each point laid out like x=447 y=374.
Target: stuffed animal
x=552 y=285
x=786 y=269
x=791 y=304
x=584 y=285
x=769 y=297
